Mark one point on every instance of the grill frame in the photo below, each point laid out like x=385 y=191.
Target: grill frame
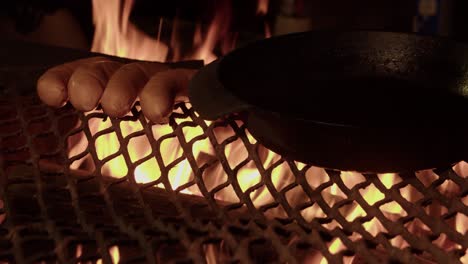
x=195 y=221
x=41 y=185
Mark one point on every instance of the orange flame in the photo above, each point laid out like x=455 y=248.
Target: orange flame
x=116 y=35
x=114 y=254
x=262 y=7
x=217 y=31
x=79 y=250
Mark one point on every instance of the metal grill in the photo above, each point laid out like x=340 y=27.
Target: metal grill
x=237 y=202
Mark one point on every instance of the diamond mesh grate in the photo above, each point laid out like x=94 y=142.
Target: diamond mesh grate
x=198 y=191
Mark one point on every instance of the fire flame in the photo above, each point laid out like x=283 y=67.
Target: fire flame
x=262 y=7
x=116 y=35
x=114 y=254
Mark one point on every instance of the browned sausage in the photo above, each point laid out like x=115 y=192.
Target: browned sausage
x=52 y=85
x=125 y=84
x=162 y=90
x=87 y=83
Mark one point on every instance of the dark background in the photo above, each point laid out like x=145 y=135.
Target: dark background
x=388 y=15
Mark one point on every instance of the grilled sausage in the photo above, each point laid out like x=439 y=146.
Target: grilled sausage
x=52 y=85
x=125 y=84
x=162 y=90
x=88 y=82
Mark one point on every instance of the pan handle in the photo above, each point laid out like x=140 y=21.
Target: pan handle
x=210 y=98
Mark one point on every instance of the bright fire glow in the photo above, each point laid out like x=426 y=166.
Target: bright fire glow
x=217 y=31
x=116 y=35
x=114 y=254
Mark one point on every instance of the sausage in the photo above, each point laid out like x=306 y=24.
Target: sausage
x=87 y=83
x=125 y=84
x=117 y=85
x=162 y=90
x=52 y=85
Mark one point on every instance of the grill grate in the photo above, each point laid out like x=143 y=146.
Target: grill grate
x=63 y=206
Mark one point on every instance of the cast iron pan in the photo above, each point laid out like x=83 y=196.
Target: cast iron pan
x=363 y=101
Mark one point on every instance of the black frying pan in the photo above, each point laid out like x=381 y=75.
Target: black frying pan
x=365 y=101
